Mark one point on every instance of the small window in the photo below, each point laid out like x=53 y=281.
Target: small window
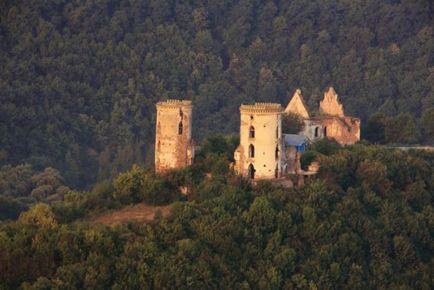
x=316 y=131
x=251 y=171
x=180 y=128
x=325 y=131
x=251 y=117
x=252 y=132
x=276 y=154
x=251 y=151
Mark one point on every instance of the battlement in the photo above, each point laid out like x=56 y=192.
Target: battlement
x=174 y=104
x=261 y=108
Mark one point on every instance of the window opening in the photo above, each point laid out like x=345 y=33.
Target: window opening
x=251 y=151
x=252 y=132
x=180 y=128
x=251 y=171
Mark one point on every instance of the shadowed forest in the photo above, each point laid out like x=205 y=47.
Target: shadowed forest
x=80 y=79
x=78 y=85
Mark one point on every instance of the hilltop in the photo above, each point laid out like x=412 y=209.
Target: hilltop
x=364 y=222
x=80 y=80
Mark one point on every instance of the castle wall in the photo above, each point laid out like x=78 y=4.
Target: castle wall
x=331 y=121
x=330 y=105
x=266 y=119
x=173 y=144
x=345 y=130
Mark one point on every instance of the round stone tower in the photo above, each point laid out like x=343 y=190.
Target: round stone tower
x=173 y=144
x=259 y=155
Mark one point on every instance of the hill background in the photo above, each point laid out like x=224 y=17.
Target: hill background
x=80 y=79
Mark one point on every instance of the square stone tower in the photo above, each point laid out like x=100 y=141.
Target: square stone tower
x=174 y=147
x=259 y=155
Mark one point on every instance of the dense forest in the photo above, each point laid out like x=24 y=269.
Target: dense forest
x=78 y=85
x=79 y=79
x=365 y=222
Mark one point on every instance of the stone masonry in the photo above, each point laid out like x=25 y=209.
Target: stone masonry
x=173 y=143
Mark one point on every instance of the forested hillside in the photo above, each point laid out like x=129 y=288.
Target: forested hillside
x=366 y=222
x=79 y=79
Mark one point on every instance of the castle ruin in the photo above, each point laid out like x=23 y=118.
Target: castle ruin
x=331 y=122
x=174 y=146
x=264 y=152
x=259 y=154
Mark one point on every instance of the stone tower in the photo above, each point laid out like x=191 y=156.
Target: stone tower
x=259 y=155
x=173 y=144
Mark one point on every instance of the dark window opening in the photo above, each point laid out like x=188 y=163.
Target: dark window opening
x=252 y=132
x=180 y=128
x=276 y=154
x=251 y=117
x=251 y=171
x=325 y=131
x=251 y=151
x=316 y=131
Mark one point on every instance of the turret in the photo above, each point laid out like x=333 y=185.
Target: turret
x=259 y=154
x=173 y=143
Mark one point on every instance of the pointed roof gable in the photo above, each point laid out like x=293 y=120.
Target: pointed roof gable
x=297 y=105
x=330 y=105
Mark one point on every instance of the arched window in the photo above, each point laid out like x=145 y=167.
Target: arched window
x=276 y=154
x=325 y=131
x=252 y=132
x=180 y=128
x=316 y=131
x=251 y=151
x=251 y=170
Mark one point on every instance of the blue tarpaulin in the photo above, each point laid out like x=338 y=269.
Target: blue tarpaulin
x=299 y=141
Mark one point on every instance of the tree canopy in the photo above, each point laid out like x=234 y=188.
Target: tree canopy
x=80 y=79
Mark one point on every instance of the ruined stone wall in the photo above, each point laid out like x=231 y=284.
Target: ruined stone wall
x=297 y=105
x=266 y=120
x=345 y=130
x=313 y=130
x=330 y=105
x=173 y=144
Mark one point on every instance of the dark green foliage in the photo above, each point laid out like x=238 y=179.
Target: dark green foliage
x=10 y=208
x=307 y=158
x=138 y=185
x=292 y=124
x=21 y=186
x=374 y=130
x=326 y=146
x=364 y=223
x=220 y=145
x=427 y=124
x=79 y=80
